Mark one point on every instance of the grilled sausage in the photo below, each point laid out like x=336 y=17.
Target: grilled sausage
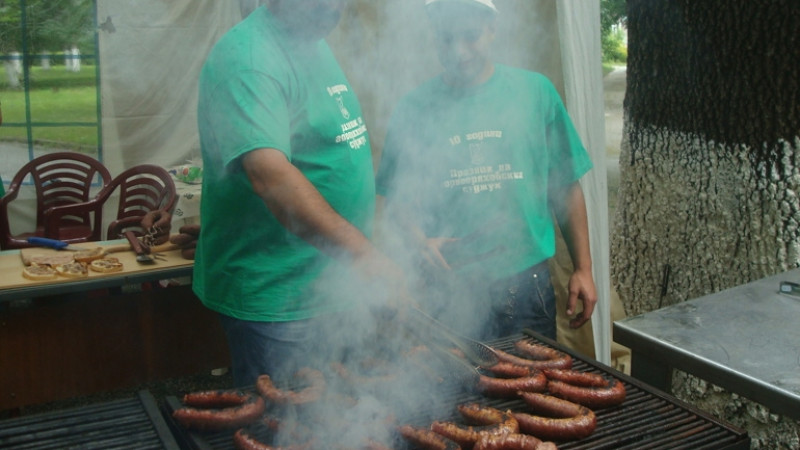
x=477 y=414
x=544 y=356
x=218 y=410
x=243 y=439
x=312 y=392
x=555 y=418
x=517 y=360
x=514 y=441
x=508 y=387
x=510 y=370
x=214 y=399
x=489 y=422
x=426 y=439
x=589 y=389
x=576 y=377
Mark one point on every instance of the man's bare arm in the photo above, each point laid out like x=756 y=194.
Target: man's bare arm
x=299 y=207
x=572 y=218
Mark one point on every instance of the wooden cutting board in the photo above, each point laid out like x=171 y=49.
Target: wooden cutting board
x=27 y=253
x=11 y=263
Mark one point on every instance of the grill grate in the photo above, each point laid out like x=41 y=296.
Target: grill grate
x=133 y=423
x=648 y=419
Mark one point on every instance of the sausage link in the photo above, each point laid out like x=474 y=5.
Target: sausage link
x=503 y=421
x=464 y=436
x=555 y=418
x=181 y=239
x=491 y=422
x=202 y=418
x=514 y=441
x=592 y=397
x=544 y=356
x=215 y=398
x=589 y=389
x=576 y=377
x=312 y=392
x=510 y=370
x=426 y=439
x=508 y=387
x=244 y=440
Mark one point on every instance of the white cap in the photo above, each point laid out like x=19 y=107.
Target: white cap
x=482 y=3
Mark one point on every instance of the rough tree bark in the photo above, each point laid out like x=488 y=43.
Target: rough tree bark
x=709 y=165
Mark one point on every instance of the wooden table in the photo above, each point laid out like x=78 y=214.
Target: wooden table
x=745 y=339
x=67 y=338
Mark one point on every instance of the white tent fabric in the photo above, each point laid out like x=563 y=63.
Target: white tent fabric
x=151 y=56
x=149 y=66
x=579 y=31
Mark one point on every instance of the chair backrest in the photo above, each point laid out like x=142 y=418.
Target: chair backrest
x=142 y=189
x=59 y=178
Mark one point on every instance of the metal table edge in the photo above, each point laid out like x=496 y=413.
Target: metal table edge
x=756 y=390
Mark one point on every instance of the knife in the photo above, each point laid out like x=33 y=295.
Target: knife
x=53 y=243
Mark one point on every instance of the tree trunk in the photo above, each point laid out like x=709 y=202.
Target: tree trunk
x=709 y=163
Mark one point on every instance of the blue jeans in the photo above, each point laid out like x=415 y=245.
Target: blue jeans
x=258 y=348
x=526 y=300
x=279 y=349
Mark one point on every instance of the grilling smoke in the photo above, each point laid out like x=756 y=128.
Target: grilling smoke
x=386 y=49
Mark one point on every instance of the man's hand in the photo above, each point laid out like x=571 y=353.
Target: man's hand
x=581 y=287
x=387 y=280
x=157 y=226
x=432 y=252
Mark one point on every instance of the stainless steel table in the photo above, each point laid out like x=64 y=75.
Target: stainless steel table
x=745 y=339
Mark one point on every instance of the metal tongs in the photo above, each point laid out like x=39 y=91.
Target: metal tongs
x=477 y=353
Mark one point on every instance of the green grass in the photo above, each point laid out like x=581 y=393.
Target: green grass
x=56 y=96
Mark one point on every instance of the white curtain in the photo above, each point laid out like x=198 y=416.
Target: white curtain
x=151 y=52
x=579 y=33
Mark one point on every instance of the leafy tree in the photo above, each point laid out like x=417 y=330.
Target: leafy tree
x=612 y=12
x=49 y=25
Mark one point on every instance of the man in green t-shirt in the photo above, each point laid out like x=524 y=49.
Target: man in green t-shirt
x=476 y=163
x=288 y=187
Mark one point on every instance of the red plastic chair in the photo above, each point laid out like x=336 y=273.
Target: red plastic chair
x=142 y=189
x=59 y=179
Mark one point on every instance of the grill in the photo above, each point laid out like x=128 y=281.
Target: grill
x=134 y=423
x=648 y=419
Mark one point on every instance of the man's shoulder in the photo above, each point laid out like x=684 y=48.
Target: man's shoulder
x=423 y=95
x=522 y=75
x=248 y=42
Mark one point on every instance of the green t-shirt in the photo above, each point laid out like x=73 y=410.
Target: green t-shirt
x=258 y=89
x=479 y=164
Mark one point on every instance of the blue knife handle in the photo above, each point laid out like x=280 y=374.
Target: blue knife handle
x=44 y=242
